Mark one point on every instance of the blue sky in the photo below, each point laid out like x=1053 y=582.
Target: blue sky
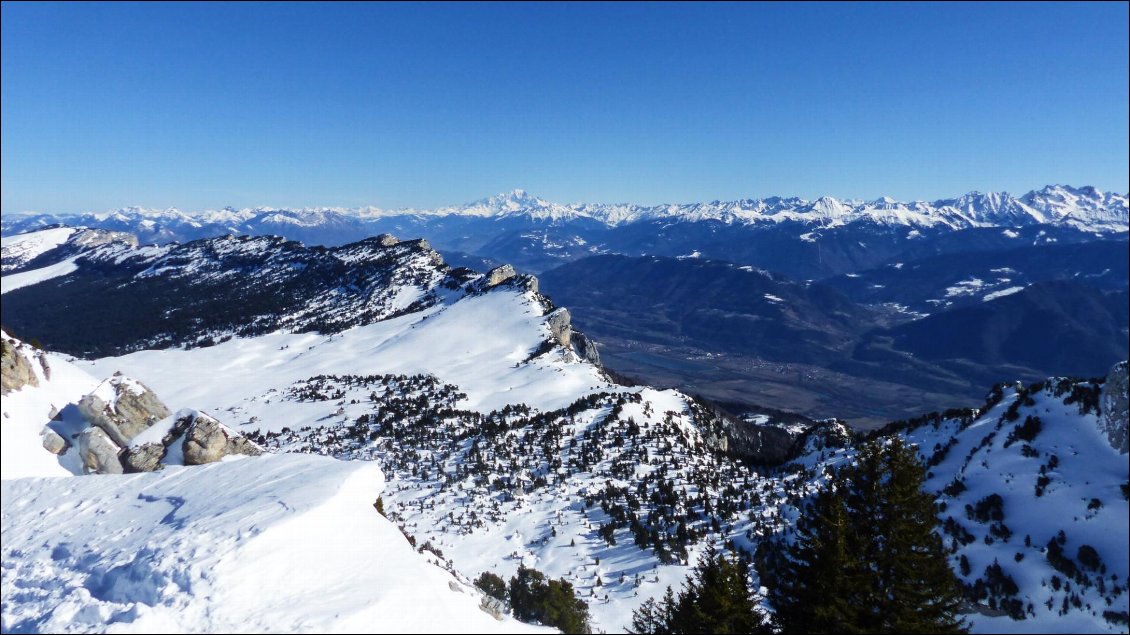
x=202 y=106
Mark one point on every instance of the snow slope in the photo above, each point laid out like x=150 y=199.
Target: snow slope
x=988 y=469
x=1081 y=501
x=480 y=343
x=284 y=543
x=485 y=348
x=19 y=249
x=14 y=281
x=536 y=491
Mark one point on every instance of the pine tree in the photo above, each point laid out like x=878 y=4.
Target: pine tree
x=716 y=598
x=920 y=592
x=866 y=556
x=813 y=589
x=534 y=598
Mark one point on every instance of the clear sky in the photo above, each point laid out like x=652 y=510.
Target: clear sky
x=205 y=105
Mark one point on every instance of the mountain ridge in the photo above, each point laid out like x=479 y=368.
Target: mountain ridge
x=1084 y=206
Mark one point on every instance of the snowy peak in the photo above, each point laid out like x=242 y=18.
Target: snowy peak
x=1083 y=208
x=514 y=203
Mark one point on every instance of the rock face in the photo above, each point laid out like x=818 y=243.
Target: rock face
x=143 y=458
x=387 y=240
x=203 y=440
x=206 y=441
x=559 y=323
x=586 y=348
x=500 y=274
x=764 y=444
x=123 y=408
x=493 y=607
x=15 y=368
x=529 y=283
x=1114 y=404
x=98 y=452
x=53 y=442
x=90 y=238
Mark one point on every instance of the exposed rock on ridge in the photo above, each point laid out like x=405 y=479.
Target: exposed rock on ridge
x=1113 y=405
x=123 y=408
x=16 y=370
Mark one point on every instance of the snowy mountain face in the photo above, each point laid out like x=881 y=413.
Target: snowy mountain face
x=1032 y=490
x=535 y=234
x=619 y=489
x=1084 y=207
x=209 y=289
x=1034 y=493
x=501 y=444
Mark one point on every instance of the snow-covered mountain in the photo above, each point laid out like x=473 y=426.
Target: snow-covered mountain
x=213 y=289
x=618 y=490
x=1084 y=207
x=826 y=236
x=501 y=441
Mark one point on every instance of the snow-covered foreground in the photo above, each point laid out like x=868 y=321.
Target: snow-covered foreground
x=484 y=346
x=476 y=495
x=284 y=543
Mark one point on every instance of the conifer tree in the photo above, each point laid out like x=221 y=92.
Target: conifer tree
x=866 y=557
x=814 y=588
x=534 y=598
x=716 y=598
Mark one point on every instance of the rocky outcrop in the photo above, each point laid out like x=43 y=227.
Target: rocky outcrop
x=16 y=370
x=203 y=440
x=387 y=240
x=586 y=348
x=500 y=274
x=493 y=607
x=90 y=238
x=207 y=441
x=559 y=322
x=1113 y=404
x=526 y=283
x=98 y=452
x=123 y=408
x=143 y=458
x=54 y=442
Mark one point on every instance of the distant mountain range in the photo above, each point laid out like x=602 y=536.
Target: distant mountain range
x=797 y=237
x=1085 y=208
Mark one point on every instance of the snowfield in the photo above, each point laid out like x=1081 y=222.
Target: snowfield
x=35 y=276
x=479 y=343
x=280 y=543
x=21 y=248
